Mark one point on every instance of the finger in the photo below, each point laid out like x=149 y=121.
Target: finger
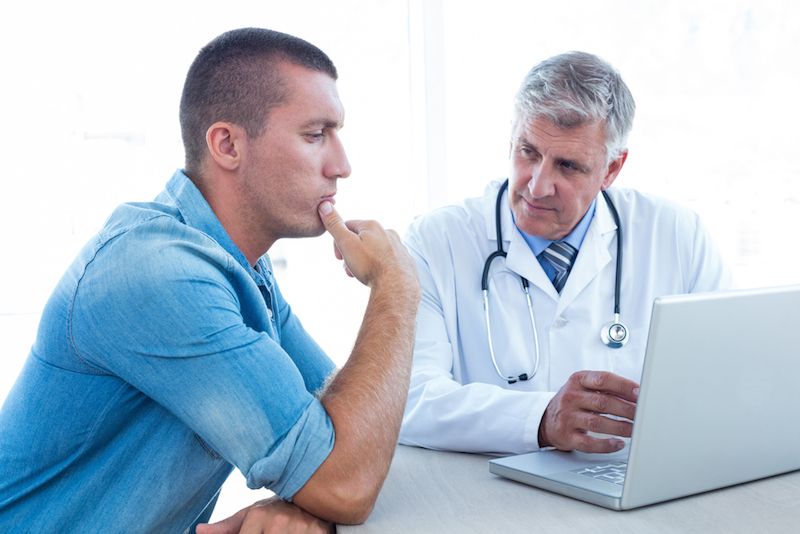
x=603 y=403
x=260 y=525
x=599 y=424
x=321 y=527
x=337 y=252
x=230 y=525
x=610 y=382
x=333 y=222
x=251 y=527
x=358 y=225
x=587 y=443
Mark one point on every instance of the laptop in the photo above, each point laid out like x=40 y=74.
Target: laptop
x=718 y=405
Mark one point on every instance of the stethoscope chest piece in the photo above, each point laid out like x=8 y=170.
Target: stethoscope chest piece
x=615 y=334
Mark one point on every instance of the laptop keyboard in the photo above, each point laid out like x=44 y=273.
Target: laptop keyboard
x=612 y=472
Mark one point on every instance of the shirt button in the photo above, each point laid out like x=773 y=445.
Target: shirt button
x=269 y=314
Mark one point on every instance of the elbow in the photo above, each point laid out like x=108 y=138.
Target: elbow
x=352 y=505
x=348 y=501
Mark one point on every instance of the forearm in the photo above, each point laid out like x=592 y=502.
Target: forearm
x=483 y=418
x=365 y=402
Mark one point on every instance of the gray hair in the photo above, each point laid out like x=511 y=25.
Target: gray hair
x=576 y=88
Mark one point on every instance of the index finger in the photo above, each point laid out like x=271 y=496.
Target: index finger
x=611 y=383
x=333 y=222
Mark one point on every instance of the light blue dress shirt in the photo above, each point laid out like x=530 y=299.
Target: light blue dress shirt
x=163 y=360
x=574 y=238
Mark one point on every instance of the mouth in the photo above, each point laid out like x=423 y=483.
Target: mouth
x=330 y=198
x=535 y=206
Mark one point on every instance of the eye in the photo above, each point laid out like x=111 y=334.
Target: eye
x=569 y=165
x=313 y=137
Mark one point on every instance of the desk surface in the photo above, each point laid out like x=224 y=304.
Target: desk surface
x=431 y=491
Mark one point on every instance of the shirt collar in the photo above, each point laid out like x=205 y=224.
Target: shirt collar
x=574 y=238
x=197 y=213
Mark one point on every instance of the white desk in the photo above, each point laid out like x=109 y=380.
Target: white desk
x=441 y=492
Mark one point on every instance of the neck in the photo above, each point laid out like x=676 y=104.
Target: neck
x=227 y=207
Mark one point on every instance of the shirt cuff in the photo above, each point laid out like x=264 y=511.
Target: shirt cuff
x=293 y=460
x=530 y=437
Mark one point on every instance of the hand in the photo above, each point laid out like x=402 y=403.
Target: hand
x=369 y=252
x=581 y=406
x=270 y=516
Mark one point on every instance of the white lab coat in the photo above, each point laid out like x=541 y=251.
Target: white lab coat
x=456 y=400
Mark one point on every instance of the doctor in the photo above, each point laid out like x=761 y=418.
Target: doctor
x=551 y=353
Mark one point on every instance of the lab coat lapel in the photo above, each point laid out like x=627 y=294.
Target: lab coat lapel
x=520 y=259
x=593 y=256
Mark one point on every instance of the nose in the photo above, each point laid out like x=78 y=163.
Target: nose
x=541 y=184
x=337 y=164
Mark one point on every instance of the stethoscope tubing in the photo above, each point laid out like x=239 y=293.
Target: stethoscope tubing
x=609 y=332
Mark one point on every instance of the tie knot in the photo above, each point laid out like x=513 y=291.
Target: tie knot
x=560 y=255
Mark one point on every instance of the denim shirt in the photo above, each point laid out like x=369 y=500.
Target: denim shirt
x=162 y=360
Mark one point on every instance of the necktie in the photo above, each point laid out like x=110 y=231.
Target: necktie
x=560 y=256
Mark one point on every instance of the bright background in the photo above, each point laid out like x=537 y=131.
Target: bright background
x=90 y=92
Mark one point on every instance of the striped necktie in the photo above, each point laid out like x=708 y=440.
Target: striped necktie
x=560 y=256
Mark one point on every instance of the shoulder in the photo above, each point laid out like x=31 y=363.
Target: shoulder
x=645 y=202
x=148 y=247
x=150 y=272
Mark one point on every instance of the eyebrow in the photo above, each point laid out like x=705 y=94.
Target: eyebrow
x=559 y=160
x=322 y=123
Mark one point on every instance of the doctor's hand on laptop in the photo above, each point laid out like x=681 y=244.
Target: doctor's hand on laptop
x=590 y=402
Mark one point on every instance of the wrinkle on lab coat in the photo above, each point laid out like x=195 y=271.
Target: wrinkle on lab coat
x=456 y=400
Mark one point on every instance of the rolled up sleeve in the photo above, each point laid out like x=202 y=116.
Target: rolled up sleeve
x=297 y=456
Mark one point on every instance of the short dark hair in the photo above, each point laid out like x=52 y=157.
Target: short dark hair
x=235 y=78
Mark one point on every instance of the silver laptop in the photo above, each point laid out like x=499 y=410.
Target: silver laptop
x=719 y=405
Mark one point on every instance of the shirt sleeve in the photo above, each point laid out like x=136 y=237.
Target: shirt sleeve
x=441 y=413
x=160 y=307
x=312 y=362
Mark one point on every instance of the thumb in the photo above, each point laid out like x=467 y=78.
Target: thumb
x=333 y=222
x=231 y=525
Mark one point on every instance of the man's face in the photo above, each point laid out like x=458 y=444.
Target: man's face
x=555 y=175
x=294 y=164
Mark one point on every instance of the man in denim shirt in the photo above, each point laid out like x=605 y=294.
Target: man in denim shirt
x=167 y=355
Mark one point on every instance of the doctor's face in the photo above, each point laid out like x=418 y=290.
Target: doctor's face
x=556 y=173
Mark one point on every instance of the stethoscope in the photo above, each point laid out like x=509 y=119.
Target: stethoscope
x=613 y=334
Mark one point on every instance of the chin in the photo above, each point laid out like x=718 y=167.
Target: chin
x=538 y=227
x=531 y=226
x=311 y=231
x=540 y=230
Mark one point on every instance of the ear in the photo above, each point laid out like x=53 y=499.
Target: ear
x=613 y=170
x=225 y=142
